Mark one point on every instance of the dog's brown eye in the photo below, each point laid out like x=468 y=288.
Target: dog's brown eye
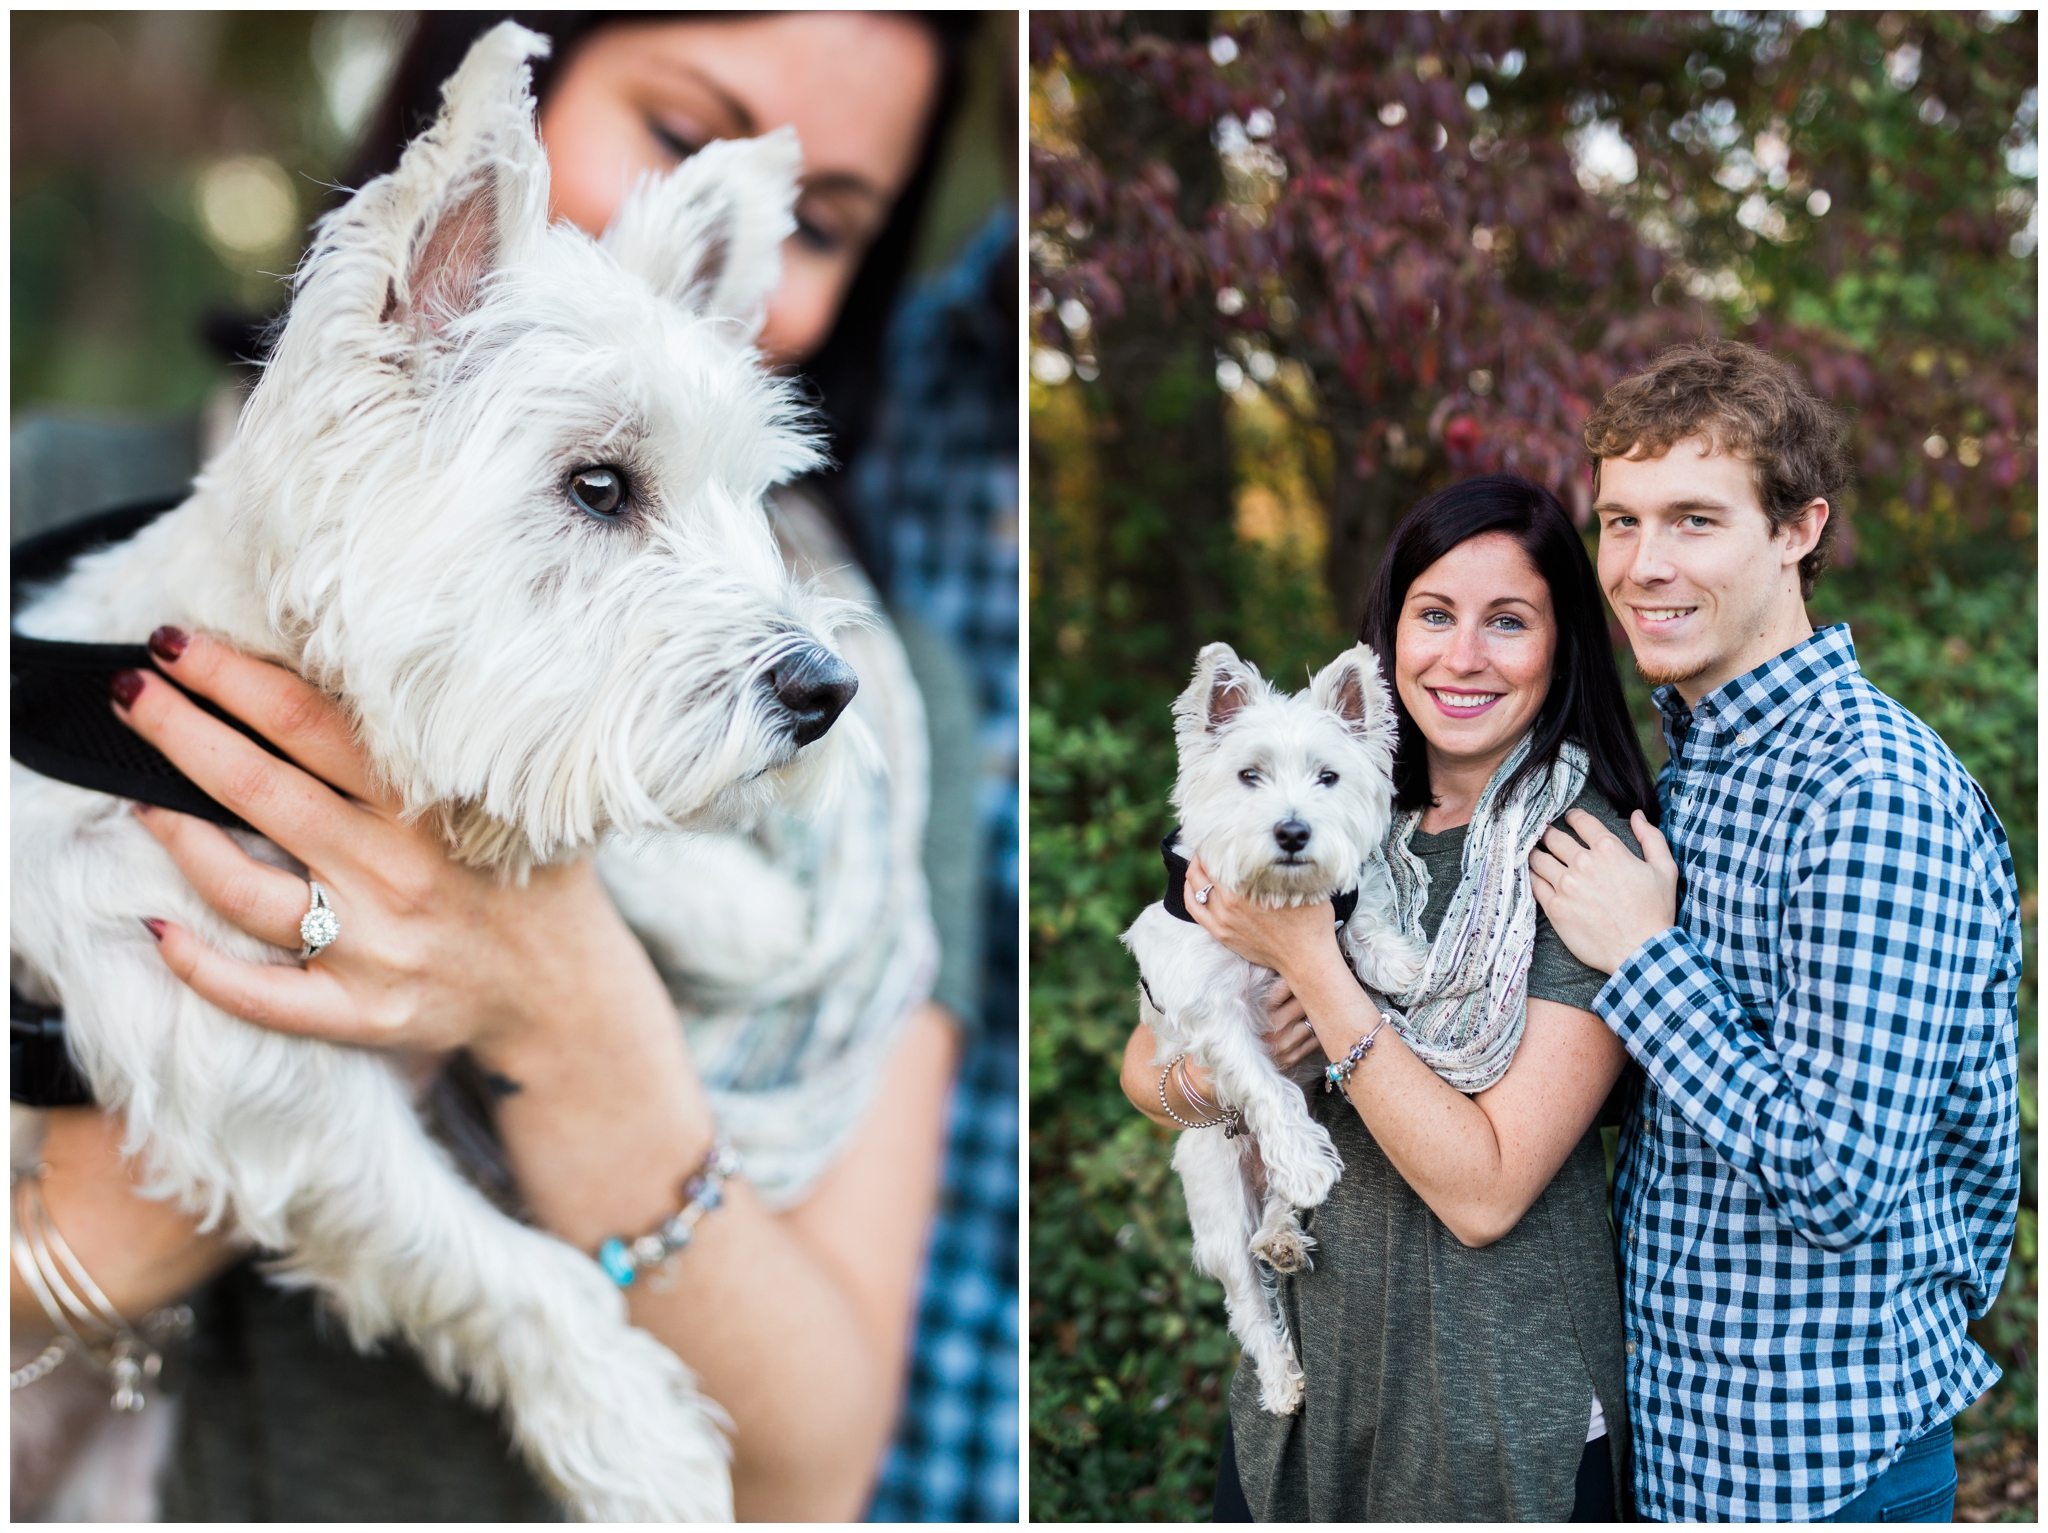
x=600 y=491
x=1248 y=777
x=1327 y=778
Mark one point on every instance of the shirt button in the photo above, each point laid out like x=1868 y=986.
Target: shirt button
x=1630 y=1348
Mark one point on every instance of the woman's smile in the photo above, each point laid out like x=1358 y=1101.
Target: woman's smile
x=1464 y=705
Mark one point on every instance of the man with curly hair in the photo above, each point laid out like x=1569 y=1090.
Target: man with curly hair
x=1819 y=1174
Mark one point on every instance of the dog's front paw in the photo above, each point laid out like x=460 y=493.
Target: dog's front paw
x=1306 y=1185
x=1281 y=1396
x=1285 y=1249
x=1392 y=964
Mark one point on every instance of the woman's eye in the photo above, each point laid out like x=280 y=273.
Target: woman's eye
x=1248 y=777
x=1436 y=617
x=1327 y=778
x=600 y=491
x=1509 y=624
x=676 y=144
x=816 y=238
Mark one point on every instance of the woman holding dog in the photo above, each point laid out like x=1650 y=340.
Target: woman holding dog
x=582 y=1099
x=1461 y=1331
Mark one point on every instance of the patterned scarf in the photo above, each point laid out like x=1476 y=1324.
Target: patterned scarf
x=1464 y=1017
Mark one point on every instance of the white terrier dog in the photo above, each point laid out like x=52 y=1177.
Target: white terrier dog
x=1283 y=798
x=500 y=490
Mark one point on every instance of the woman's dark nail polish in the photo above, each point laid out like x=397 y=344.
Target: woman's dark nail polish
x=167 y=643
x=156 y=928
x=126 y=686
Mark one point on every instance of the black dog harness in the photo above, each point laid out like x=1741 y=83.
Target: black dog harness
x=58 y=712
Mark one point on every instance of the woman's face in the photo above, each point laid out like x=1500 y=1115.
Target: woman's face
x=856 y=87
x=1473 y=652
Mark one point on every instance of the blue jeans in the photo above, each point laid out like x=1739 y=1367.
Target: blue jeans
x=1920 y=1487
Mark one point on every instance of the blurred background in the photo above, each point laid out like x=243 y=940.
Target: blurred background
x=1290 y=272
x=166 y=166
x=165 y=169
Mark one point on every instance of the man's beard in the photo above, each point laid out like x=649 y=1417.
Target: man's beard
x=1671 y=673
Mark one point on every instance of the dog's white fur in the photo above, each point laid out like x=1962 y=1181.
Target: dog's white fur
x=1251 y=760
x=392 y=521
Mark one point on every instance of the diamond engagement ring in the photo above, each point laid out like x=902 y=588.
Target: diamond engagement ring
x=319 y=926
x=1202 y=894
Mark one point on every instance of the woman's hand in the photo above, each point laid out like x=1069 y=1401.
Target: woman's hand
x=1290 y=1036
x=600 y=1110
x=1603 y=900
x=431 y=956
x=1292 y=940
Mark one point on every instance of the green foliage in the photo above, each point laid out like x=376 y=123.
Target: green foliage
x=1129 y=1355
x=1960 y=653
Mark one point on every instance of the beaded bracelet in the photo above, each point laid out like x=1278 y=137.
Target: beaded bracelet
x=702 y=1194
x=1337 y=1076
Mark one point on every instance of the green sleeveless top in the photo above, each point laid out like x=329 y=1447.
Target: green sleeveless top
x=1445 y=1384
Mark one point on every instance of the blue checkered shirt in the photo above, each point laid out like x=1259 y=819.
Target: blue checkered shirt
x=1818 y=1182
x=937 y=500
x=936 y=495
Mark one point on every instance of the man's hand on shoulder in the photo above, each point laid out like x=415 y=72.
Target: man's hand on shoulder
x=1603 y=901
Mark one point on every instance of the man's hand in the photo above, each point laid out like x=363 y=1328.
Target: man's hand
x=1603 y=901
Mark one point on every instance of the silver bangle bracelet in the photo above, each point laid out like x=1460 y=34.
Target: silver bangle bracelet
x=84 y=1318
x=1202 y=1105
x=622 y=1259
x=1167 y=1107
x=1229 y=1119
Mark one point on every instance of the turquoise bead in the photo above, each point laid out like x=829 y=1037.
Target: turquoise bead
x=617 y=1264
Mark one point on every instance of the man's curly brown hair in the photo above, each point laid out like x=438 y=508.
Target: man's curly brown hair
x=1749 y=404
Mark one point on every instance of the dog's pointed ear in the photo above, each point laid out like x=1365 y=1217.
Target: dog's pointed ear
x=472 y=189
x=1352 y=687
x=1222 y=687
x=708 y=235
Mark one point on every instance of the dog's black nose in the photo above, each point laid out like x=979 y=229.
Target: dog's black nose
x=1292 y=835
x=814 y=686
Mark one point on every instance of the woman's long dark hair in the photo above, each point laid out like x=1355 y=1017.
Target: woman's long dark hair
x=845 y=373
x=1584 y=702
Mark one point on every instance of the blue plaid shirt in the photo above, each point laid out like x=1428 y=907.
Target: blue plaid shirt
x=1819 y=1179
x=937 y=499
